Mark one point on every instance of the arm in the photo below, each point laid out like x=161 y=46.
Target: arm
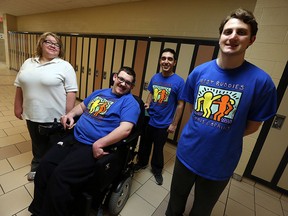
x=70 y=101
x=113 y=137
x=251 y=127
x=18 y=103
x=190 y=106
x=148 y=101
x=68 y=119
x=172 y=127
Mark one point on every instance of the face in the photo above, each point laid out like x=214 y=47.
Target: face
x=123 y=83
x=235 y=37
x=167 y=62
x=50 y=48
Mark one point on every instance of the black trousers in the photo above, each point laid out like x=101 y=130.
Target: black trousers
x=206 y=193
x=40 y=143
x=63 y=171
x=158 y=137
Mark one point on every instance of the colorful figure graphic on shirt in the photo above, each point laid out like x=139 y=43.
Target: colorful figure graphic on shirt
x=94 y=106
x=102 y=109
x=161 y=93
x=206 y=102
x=99 y=106
x=155 y=94
x=217 y=104
x=163 y=96
x=225 y=106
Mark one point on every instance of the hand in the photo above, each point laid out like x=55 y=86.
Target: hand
x=18 y=113
x=146 y=105
x=171 y=128
x=97 y=151
x=67 y=121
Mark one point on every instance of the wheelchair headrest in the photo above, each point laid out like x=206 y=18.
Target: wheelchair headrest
x=140 y=121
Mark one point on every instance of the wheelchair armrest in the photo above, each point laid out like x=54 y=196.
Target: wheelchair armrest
x=132 y=136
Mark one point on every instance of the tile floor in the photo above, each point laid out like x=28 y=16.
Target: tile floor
x=243 y=198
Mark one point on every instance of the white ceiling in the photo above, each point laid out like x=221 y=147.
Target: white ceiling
x=27 y=7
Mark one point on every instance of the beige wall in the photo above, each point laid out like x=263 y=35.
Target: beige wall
x=2 y=47
x=9 y=24
x=193 y=18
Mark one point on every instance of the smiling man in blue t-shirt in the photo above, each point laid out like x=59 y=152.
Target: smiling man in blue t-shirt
x=165 y=109
x=229 y=99
x=106 y=117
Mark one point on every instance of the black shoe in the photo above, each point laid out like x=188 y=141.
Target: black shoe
x=158 y=178
x=137 y=167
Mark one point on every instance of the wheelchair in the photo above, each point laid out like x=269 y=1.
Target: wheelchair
x=109 y=188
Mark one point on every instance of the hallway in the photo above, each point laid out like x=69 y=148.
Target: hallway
x=243 y=198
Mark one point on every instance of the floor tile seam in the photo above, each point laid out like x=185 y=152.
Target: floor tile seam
x=10 y=191
x=1 y=188
x=31 y=195
x=269 y=209
x=9 y=165
x=239 y=187
x=228 y=197
x=147 y=200
x=242 y=203
x=18 y=149
x=267 y=193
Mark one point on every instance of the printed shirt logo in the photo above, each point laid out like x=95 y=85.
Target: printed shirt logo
x=217 y=104
x=99 y=106
x=161 y=94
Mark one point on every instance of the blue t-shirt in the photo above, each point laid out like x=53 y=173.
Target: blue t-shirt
x=211 y=142
x=165 y=92
x=104 y=112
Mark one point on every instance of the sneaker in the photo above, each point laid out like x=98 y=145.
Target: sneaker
x=31 y=176
x=137 y=167
x=159 y=178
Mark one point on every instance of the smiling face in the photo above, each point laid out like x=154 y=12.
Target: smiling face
x=167 y=63
x=123 y=83
x=235 y=38
x=50 y=48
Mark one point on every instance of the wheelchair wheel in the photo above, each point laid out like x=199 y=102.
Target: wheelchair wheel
x=119 y=197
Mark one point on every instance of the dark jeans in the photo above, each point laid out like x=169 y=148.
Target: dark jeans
x=63 y=171
x=206 y=193
x=40 y=143
x=158 y=137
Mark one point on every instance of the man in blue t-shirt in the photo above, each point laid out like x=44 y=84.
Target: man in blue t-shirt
x=229 y=99
x=165 y=109
x=106 y=117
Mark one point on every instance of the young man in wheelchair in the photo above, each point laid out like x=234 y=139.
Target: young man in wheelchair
x=106 y=117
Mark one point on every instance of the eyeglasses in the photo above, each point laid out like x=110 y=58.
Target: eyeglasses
x=50 y=43
x=122 y=80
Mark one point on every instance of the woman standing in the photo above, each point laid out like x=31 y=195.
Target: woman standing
x=46 y=89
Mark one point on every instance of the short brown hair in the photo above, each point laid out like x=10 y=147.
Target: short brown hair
x=244 y=15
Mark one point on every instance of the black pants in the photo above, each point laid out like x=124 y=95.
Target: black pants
x=40 y=143
x=206 y=193
x=61 y=173
x=158 y=137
